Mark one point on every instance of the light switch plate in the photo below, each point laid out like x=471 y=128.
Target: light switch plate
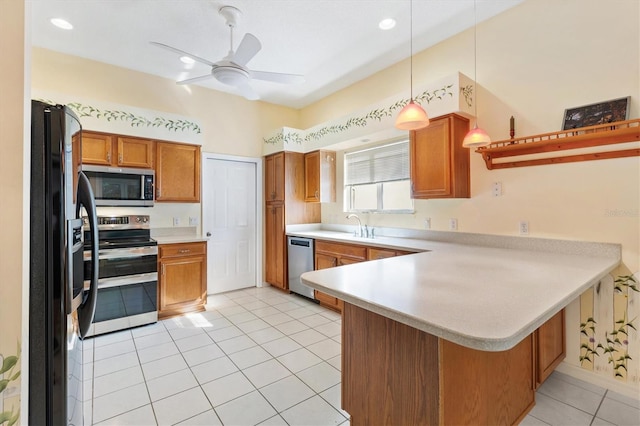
x=193 y=221
x=453 y=224
x=176 y=221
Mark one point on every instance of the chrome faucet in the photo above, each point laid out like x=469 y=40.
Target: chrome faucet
x=359 y=232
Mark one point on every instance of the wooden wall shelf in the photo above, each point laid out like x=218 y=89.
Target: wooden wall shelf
x=584 y=137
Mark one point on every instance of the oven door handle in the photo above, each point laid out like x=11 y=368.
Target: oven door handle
x=124 y=253
x=124 y=281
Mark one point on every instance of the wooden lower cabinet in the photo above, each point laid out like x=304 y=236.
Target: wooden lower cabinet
x=329 y=255
x=550 y=346
x=182 y=280
x=394 y=374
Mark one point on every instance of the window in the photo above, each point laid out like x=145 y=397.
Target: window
x=377 y=179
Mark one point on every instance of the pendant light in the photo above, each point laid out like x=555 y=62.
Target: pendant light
x=476 y=136
x=412 y=116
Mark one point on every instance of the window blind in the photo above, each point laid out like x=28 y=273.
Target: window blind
x=385 y=163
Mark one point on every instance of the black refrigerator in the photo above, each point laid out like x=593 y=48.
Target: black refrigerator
x=61 y=299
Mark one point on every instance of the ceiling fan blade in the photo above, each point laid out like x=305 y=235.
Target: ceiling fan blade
x=195 y=79
x=277 y=77
x=247 y=91
x=183 y=53
x=248 y=48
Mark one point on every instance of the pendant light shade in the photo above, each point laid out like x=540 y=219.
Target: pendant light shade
x=476 y=137
x=412 y=116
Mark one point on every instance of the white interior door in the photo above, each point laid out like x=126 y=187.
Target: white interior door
x=229 y=214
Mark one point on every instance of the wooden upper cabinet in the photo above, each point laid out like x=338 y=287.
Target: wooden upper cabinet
x=439 y=162
x=105 y=149
x=320 y=177
x=135 y=152
x=97 y=148
x=274 y=177
x=177 y=172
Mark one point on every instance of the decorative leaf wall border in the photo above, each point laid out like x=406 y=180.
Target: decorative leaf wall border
x=134 y=120
x=376 y=114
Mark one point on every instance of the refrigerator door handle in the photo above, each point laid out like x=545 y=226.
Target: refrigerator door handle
x=87 y=309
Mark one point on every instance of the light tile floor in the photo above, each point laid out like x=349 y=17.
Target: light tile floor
x=260 y=356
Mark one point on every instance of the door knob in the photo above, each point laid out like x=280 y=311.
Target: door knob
x=208 y=234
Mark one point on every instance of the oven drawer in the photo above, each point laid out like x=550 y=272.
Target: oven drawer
x=182 y=249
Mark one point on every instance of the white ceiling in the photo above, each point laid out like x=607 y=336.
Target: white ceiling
x=333 y=43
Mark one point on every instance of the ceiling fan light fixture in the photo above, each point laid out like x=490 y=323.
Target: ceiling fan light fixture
x=412 y=117
x=187 y=60
x=230 y=76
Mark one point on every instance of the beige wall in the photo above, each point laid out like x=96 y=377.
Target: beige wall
x=532 y=68
x=533 y=62
x=12 y=144
x=230 y=124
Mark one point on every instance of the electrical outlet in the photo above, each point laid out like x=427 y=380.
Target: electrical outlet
x=453 y=224
x=193 y=221
x=496 y=190
x=427 y=223
x=524 y=227
x=176 y=221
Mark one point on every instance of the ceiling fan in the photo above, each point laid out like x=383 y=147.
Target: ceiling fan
x=231 y=70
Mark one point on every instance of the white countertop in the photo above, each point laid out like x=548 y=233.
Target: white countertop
x=176 y=239
x=482 y=297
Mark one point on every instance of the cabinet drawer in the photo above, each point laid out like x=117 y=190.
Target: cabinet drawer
x=358 y=252
x=376 y=253
x=182 y=249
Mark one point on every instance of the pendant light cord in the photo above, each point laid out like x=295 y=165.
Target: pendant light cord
x=411 y=48
x=475 y=56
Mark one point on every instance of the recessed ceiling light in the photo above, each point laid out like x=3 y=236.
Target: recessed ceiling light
x=187 y=60
x=387 y=24
x=61 y=23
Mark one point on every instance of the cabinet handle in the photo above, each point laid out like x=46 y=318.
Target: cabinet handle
x=108 y=156
x=164 y=269
x=184 y=251
x=316 y=194
x=120 y=158
x=273 y=195
x=158 y=192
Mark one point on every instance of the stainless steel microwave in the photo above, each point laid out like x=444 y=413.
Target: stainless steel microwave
x=121 y=186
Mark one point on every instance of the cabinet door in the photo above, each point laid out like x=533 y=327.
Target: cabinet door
x=312 y=176
x=182 y=284
x=97 y=148
x=376 y=253
x=275 y=238
x=324 y=261
x=177 y=172
x=320 y=177
x=274 y=177
x=135 y=152
x=439 y=163
x=550 y=342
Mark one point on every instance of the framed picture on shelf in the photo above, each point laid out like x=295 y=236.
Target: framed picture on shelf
x=594 y=114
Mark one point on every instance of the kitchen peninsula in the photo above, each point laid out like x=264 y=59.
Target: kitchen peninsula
x=447 y=336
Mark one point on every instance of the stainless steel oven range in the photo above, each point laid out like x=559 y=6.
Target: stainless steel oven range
x=128 y=274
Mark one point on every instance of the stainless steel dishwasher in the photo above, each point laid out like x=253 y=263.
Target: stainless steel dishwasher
x=300 y=261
